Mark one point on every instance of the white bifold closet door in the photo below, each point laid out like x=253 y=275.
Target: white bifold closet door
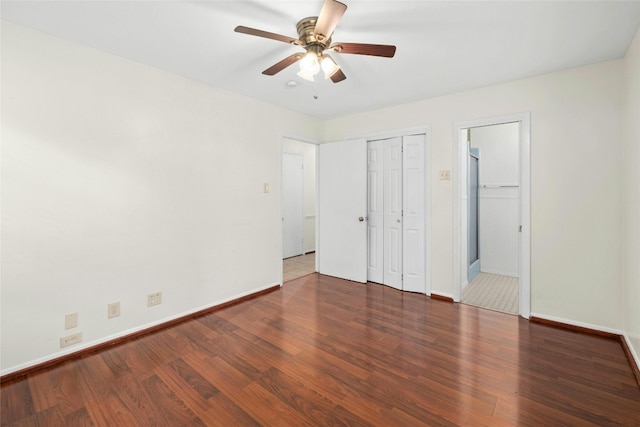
x=396 y=203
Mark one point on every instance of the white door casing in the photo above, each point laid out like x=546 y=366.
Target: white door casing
x=342 y=207
x=459 y=230
x=292 y=205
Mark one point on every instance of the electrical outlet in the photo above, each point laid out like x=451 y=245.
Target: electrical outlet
x=71 y=340
x=113 y=310
x=71 y=321
x=154 y=299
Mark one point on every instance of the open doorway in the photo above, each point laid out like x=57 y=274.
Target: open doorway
x=491 y=208
x=298 y=208
x=492 y=195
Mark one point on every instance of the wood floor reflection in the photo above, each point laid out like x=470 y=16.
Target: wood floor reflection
x=298 y=266
x=323 y=351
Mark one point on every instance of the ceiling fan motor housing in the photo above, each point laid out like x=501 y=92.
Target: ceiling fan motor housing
x=311 y=41
x=314 y=36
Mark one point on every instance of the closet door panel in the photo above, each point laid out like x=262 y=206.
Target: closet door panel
x=414 y=219
x=393 y=213
x=375 y=214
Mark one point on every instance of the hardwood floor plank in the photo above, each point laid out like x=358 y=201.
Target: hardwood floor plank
x=224 y=412
x=169 y=409
x=189 y=396
x=269 y=410
x=324 y=351
x=306 y=400
x=224 y=376
x=40 y=386
x=67 y=389
x=193 y=378
x=17 y=402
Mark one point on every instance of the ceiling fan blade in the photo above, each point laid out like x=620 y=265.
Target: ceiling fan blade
x=276 y=68
x=384 y=50
x=266 y=35
x=330 y=14
x=338 y=76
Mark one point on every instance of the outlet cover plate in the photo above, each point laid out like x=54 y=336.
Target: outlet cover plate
x=154 y=299
x=71 y=340
x=113 y=310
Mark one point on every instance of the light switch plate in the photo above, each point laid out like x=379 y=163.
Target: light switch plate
x=71 y=321
x=444 y=175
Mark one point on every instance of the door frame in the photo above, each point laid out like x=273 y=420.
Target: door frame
x=459 y=217
x=312 y=142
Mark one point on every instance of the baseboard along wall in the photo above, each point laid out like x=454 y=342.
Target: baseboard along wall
x=128 y=337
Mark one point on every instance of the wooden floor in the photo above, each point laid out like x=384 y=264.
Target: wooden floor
x=323 y=351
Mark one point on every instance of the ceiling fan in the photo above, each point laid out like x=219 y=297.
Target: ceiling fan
x=314 y=36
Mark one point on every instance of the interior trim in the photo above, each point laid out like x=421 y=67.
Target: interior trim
x=98 y=347
x=575 y=328
x=635 y=365
x=459 y=270
x=441 y=297
x=591 y=331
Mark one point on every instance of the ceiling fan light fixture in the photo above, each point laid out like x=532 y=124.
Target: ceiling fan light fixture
x=314 y=36
x=309 y=64
x=329 y=66
x=304 y=75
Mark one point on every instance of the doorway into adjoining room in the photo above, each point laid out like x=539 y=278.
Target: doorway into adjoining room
x=298 y=208
x=491 y=221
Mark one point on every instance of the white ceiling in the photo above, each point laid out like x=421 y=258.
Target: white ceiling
x=442 y=46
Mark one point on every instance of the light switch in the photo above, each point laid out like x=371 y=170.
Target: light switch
x=266 y=187
x=444 y=175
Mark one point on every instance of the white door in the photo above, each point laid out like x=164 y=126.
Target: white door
x=292 y=205
x=414 y=218
x=397 y=210
x=342 y=207
x=393 y=212
x=375 y=211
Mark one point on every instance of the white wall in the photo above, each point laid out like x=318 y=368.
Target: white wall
x=631 y=196
x=308 y=151
x=576 y=198
x=500 y=154
x=499 y=202
x=119 y=180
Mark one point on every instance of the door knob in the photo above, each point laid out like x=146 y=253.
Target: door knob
x=362 y=218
